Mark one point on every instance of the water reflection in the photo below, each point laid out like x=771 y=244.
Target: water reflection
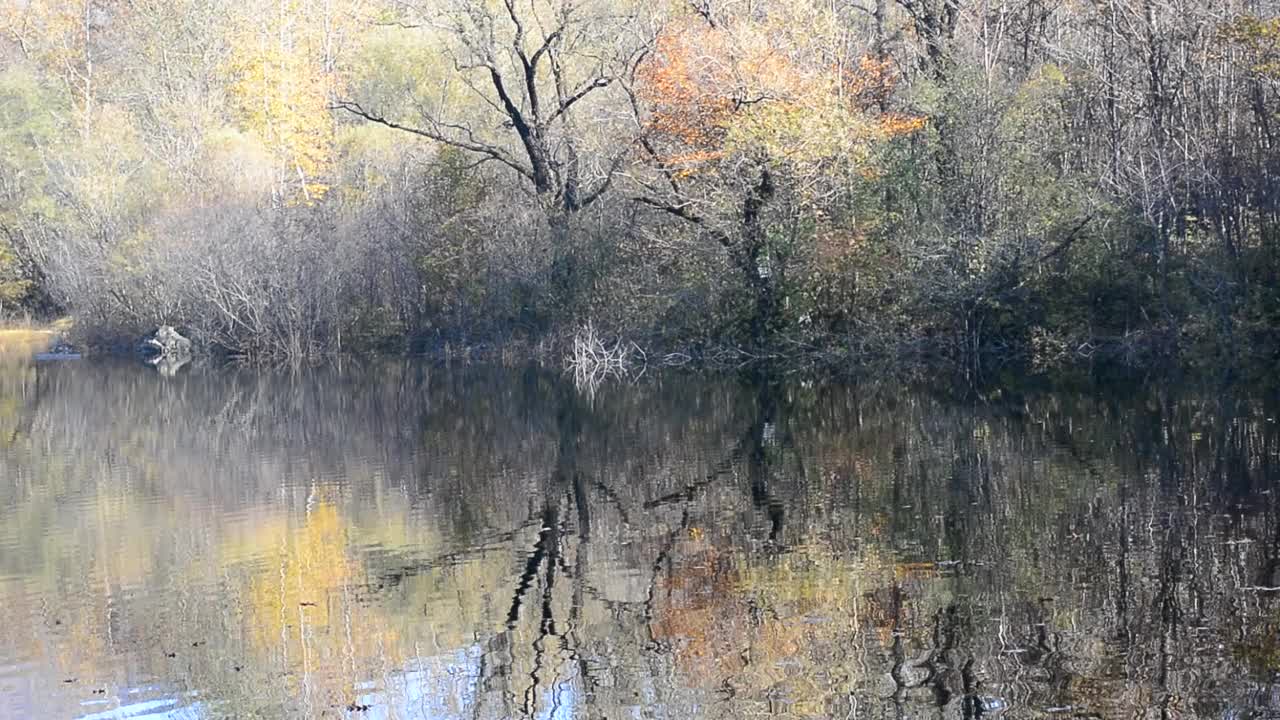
x=399 y=541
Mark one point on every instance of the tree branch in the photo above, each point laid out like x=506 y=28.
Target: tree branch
x=605 y=184
x=469 y=145
x=684 y=213
x=596 y=84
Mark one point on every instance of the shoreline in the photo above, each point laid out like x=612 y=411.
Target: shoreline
x=785 y=358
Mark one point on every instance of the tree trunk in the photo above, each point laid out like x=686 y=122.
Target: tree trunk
x=755 y=260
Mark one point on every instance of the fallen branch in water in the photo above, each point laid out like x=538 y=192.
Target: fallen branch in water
x=594 y=360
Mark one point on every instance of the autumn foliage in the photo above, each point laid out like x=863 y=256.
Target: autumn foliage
x=712 y=91
x=867 y=181
x=690 y=96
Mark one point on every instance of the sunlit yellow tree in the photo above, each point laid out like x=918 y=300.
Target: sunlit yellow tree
x=283 y=73
x=61 y=38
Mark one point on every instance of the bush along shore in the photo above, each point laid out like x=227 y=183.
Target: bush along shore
x=608 y=183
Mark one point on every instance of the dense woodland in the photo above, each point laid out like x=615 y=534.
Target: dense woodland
x=1038 y=181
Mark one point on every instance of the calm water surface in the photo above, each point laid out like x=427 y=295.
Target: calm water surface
x=402 y=541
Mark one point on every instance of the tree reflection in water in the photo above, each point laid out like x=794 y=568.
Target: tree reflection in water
x=405 y=541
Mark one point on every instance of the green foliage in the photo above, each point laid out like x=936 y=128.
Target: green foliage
x=395 y=64
x=28 y=126
x=453 y=259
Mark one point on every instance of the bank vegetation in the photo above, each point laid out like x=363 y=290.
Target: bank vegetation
x=973 y=181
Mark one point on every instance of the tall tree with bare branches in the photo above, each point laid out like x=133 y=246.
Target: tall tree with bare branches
x=532 y=74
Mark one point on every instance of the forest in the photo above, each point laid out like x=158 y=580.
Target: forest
x=1040 y=183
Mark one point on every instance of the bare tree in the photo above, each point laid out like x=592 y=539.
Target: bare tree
x=536 y=66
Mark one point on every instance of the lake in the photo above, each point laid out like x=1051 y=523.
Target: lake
x=400 y=540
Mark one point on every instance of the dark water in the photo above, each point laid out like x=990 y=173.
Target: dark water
x=401 y=541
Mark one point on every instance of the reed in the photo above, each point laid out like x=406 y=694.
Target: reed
x=23 y=343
